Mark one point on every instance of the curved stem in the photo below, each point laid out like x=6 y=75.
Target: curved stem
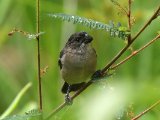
x=16 y=100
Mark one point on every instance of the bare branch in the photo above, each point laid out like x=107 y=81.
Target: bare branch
x=133 y=39
x=120 y=6
x=64 y=104
x=154 y=16
x=147 y=110
x=136 y=52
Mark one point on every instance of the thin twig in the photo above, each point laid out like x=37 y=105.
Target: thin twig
x=136 y=52
x=129 y=20
x=147 y=23
x=120 y=6
x=64 y=104
x=56 y=110
x=147 y=110
x=115 y=58
x=129 y=41
x=106 y=67
x=38 y=56
x=133 y=39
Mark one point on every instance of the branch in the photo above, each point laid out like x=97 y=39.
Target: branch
x=147 y=110
x=136 y=52
x=64 y=104
x=106 y=67
x=24 y=33
x=38 y=55
x=120 y=6
x=154 y=16
x=129 y=40
x=132 y=40
x=115 y=58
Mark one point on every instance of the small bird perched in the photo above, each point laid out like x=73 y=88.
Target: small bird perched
x=77 y=62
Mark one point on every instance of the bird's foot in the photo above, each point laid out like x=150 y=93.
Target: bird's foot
x=96 y=75
x=68 y=99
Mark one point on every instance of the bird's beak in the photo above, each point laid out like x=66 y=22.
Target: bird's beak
x=88 y=39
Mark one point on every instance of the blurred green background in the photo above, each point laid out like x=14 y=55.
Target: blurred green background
x=134 y=86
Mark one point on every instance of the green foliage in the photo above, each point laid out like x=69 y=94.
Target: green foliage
x=13 y=105
x=30 y=115
x=92 y=24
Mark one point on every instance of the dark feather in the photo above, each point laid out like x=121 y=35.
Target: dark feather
x=73 y=87
x=59 y=61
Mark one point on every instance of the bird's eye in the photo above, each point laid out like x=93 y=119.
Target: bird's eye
x=83 y=34
x=86 y=35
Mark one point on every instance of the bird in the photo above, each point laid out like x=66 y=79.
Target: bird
x=77 y=62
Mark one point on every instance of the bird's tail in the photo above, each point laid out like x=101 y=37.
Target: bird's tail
x=73 y=87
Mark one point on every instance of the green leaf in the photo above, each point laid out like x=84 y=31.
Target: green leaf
x=30 y=115
x=92 y=24
x=15 y=101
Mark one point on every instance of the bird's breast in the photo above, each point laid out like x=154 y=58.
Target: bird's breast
x=78 y=65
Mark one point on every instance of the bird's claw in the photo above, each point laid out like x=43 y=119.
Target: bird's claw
x=68 y=100
x=96 y=75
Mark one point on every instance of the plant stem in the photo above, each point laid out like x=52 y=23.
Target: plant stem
x=38 y=56
x=55 y=111
x=115 y=58
x=147 y=23
x=132 y=40
x=129 y=20
x=64 y=104
x=136 y=52
x=120 y=6
x=129 y=41
x=147 y=110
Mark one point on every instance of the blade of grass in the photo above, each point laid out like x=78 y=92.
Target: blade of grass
x=15 y=102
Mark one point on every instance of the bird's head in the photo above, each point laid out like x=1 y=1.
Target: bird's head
x=79 y=38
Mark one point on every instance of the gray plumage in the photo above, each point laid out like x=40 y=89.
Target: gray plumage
x=77 y=61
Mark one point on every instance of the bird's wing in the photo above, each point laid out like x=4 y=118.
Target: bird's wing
x=59 y=60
